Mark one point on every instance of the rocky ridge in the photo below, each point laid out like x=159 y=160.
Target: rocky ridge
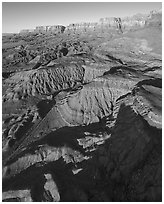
x=94 y=132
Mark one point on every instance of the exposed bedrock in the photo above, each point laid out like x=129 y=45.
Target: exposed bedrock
x=56 y=29
x=45 y=81
x=154 y=18
x=97 y=100
x=86 y=126
x=126 y=161
x=86 y=106
x=72 y=71
x=125 y=23
x=56 y=76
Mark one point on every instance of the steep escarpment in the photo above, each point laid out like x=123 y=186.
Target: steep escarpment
x=84 y=122
x=104 y=24
x=56 y=29
x=123 y=24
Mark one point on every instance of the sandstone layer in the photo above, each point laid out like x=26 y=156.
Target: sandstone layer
x=82 y=121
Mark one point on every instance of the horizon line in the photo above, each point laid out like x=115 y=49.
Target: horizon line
x=160 y=9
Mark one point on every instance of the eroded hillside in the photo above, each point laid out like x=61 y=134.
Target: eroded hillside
x=82 y=115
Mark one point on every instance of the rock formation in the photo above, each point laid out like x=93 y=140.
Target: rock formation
x=56 y=29
x=138 y=20
x=52 y=29
x=82 y=119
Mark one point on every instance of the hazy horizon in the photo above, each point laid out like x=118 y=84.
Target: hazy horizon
x=27 y=15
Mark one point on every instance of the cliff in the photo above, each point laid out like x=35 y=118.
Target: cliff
x=122 y=24
x=44 y=29
x=53 y=29
x=125 y=23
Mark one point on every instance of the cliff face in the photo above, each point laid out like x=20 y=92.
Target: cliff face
x=44 y=29
x=53 y=29
x=83 y=27
x=107 y=24
x=125 y=23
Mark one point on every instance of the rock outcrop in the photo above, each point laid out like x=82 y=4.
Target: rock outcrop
x=43 y=82
x=104 y=24
x=56 y=29
x=52 y=29
x=127 y=122
x=123 y=24
x=84 y=122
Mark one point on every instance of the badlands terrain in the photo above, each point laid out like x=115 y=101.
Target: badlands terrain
x=82 y=112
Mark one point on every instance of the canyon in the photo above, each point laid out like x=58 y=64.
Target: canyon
x=82 y=112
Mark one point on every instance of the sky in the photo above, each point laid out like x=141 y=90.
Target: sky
x=27 y=15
